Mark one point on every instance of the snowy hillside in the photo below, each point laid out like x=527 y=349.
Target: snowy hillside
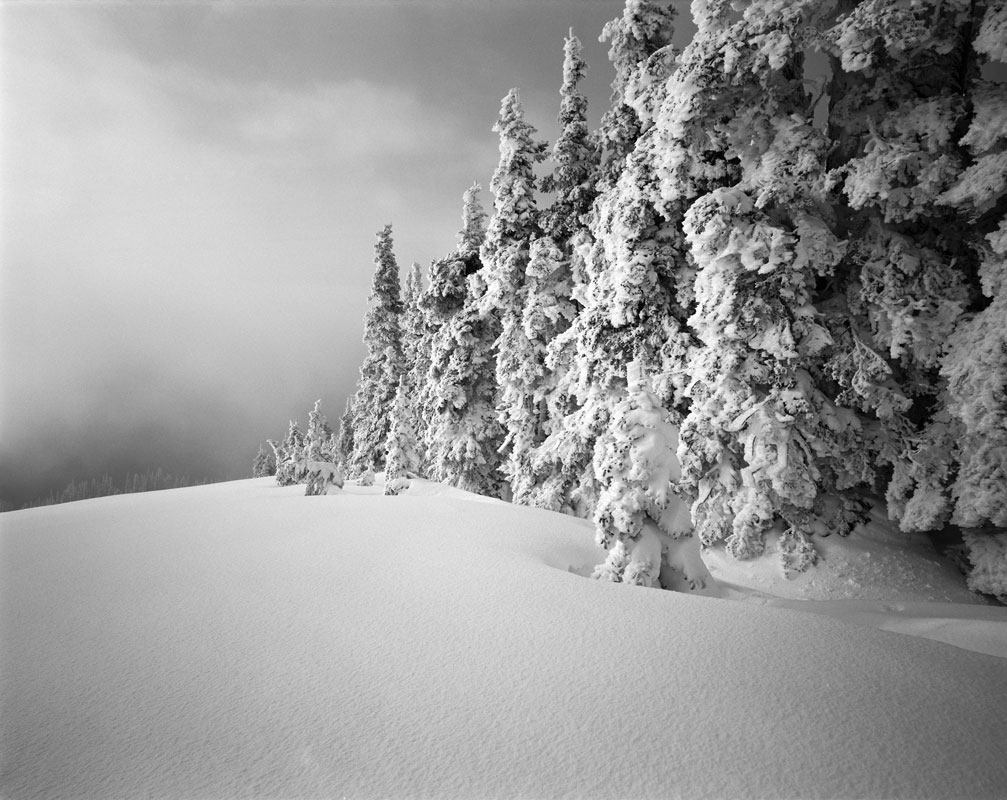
x=244 y=640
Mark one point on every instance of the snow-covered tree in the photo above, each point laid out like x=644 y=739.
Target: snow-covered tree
x=342 y=443
x=638 y=50
x=383 y=363
x=317 y=439
x=264 y=463
x=975 y=363
x=416 y=341
x=574 y=155
x=625 y=265
x=902 y=78
x=505 y=255
x=289 y=456
x=403 y=458
x=459 y=399
x=636 y=465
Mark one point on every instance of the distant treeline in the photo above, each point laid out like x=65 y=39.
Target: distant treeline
x=85 y=489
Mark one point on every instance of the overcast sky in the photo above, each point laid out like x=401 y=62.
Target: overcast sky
x=190 y=197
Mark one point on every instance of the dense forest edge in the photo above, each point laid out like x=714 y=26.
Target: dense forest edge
x=770 y=294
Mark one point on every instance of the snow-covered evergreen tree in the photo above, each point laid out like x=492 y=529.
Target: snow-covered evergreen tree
x=625 y=264
x=383 y=363
x=636 y=465
x=264 y=464
x=317 y=444
x=975 y=364
x=638 y=50
x=290 y=456
x=505 y=254
x=902 y=79
x=459 y=402
x=416 y=342
x=574 y=155
x=403 y=457
x=342 y=442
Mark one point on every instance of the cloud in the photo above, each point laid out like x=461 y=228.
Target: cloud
x=178 y=246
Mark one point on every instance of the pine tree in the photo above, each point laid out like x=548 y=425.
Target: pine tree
x=902 y=80
x=416 y=343
x=402 y=445
x=975 y=364
x=317 y=446
x=289 y=456
x=264 y=464
x=642 y=60
x=636 y=465
x=383 y=363
x=342 y=443
x=505 y=255
x=574 y=156
x=459 y=402
x=625 y=263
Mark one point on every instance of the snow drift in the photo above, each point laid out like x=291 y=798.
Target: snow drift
x=244 y=640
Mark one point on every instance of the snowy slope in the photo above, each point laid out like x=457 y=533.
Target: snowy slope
x=242 y=640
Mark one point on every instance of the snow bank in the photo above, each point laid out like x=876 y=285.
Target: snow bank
x=244 y=640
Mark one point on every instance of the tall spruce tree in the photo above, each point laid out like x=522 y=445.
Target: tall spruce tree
x=383 y=363
x=463 y=434
x=902 y=82
x=629 y=258
x=505 y=254
x=416 y=354
x=975 y=364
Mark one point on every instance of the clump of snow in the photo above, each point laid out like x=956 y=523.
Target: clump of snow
x=244 y=640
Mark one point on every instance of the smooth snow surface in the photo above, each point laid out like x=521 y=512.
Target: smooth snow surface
x=242 y=640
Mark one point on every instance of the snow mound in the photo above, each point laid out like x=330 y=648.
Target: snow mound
x=244 y=640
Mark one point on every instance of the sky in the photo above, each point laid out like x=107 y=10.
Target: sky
x=190 y=197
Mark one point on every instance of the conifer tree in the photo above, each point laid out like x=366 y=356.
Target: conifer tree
x=574 y=155
x=342 y=443
x=403 y=456
x=317 y=446
x=463 y=434
x=639 y=53
x=902 y=80
x=383 y=363
x=636 y=465
x=505 y=255
x=975 y=363
x=264 y=464
x=416 y=344
x=290 y=456
x=629 y=259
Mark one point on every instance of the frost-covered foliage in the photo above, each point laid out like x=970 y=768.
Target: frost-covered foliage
x=640 y=53
x=763 y=443
x=383 y=364
x=636 y=465
x=402 y=445
x=574 y=156
x=505 y=255
x=621 y=266
x=810 y=270
x=318 y=438
x=264 y=463
x=462 y=434
x=289 y=456
x=987 y=552
x=975 y=365
x=416 y=358
x=342 y=442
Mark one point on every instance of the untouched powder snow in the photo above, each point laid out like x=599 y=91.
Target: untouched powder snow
x=242 y=640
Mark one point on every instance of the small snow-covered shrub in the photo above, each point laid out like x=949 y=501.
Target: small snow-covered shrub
x=366 y=478
x=988 y=554
x=396 y=485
